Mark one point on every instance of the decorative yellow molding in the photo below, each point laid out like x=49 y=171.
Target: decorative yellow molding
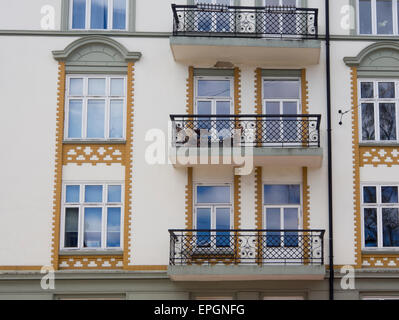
x=304 y=92
x=379 y=156
x=58 y=165
x=237 y=202
x=20 y=268
x=305 y=199
x=91 y=262
x=189 y=199
x=237 y=91
x=190 y=91
x=94 y=154
x=356 y=170
x=258 y=91
x=380 y=261
x=128 y=161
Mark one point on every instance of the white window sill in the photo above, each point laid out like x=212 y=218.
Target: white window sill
x=123 y=141
x=83 y=252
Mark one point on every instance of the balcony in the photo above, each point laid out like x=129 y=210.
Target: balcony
x=215 y=255
x=206 y=34
x=283 y=140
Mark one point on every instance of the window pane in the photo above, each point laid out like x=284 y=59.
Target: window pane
x=93 y=193
x=365 y=16
x=369 y=195
x=213 y=194
x=368 y=129
x=389 y=194
x=72 y=194
x=95 y=118
x=223 y=107
x=214 y=88
x=117 y=87
x=370 y=227
x=384 y=17
x=273 y=223
x=223 y=223
x=290 y=223
x=203 y=223
x=386 y=89
x=71 y=227
x=114 y=193
x=99 y=14
x=272 y=108
x=113 y=227
x=96 y=87
x=282 y=194
x=79 y=14
x=76 y=87
x=387 y=121
x=119 y=15
x=281 y=89
x=92 y=227
x=75 y=119
x=390 y=227
x=367 y=90
x=116 y=119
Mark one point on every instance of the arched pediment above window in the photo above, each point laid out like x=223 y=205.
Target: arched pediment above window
x=96 y=54
x=379 y=59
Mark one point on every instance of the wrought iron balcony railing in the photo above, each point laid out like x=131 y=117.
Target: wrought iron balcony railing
x=262 y=247
x=233 y=21
x=246 y=130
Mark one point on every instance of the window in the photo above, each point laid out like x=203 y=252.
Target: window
x=213 y=211
x=213 y=21
x=92 y=216
x=281 y=97
x=281 y=212
x=99 y=14
x=380 y=207
x=378 y=17
x=378 y=108
x=95 y=107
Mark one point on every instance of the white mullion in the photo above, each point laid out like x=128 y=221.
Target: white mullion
x=104 y=217
x=394 y=17
x=110 y=25
x=374 y=17
x=88 y=14
x=85 y=106
x=81 y=217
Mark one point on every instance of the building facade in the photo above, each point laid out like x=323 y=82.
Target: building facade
x=180 y=149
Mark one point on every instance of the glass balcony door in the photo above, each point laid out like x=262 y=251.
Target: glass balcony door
x=213 y=20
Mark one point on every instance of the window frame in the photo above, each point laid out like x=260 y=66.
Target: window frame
x=376 y=101
x=104 y=205
x=395 y=19
x=85 y=97
x=379 y=206
x=88 y=17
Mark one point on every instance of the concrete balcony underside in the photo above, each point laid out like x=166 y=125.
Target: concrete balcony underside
x=249 y=51
x=237 y=157
x=246 y=273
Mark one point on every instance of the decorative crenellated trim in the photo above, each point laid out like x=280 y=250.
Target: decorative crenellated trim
x=380 y=260
x=379 y=156
x=305 y=199
x=237 y=202
x=91 y=262
x=237 y=91
x=58 y=166
x=356 y=170
x=128 y=163
x=189 y=199
x=258 y=91
x=258 y=198
x=190 y=91
x=304 y=92
x=94 y=154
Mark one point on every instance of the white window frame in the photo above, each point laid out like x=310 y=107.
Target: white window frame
x=82 y=205
x=376 y=101
x=395 y=14
x=281 y=3
x=88 y=17
x=85 y=97
x=379 y=205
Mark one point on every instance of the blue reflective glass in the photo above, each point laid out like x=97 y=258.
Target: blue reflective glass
x=71 y=227
x=213 y=194
x=389 y=194
x=290 y=223
x=79 y=14
x=76 y=87
x=92 y=227
x=113 y=227
x=365 y=16
x=119 y=14
x=213 y=88
x=370 y=227
x=93 y=193
x=116 y=119
x=72 y=194
x=99 y=14
x=273 y=223
x=203 y=223
x=75 y=119
x=95 y=118
x=390 y=227
x=114 y=193
x=282 y=194
x=384 y=17
x=369 y=195
x=222 y=223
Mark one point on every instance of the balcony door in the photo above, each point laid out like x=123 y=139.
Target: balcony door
x=213 y=20
x=213 y=211
x=214 y=96
x=281 y=97
x=282 y=212
x=281 y=19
